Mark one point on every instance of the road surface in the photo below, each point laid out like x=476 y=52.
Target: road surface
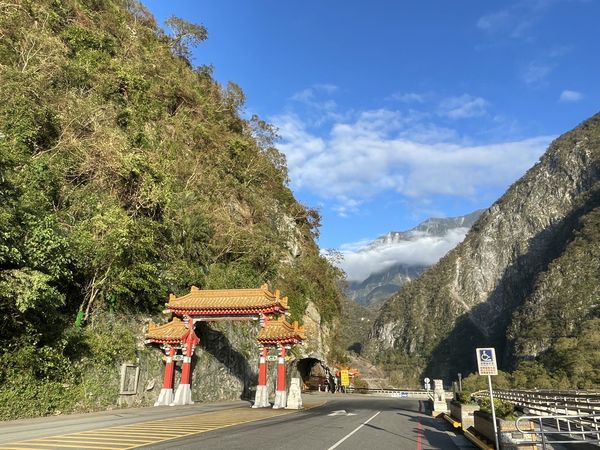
x=341 y=422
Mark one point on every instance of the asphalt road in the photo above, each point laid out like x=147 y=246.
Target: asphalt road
x=341 y=422
x=344 y=422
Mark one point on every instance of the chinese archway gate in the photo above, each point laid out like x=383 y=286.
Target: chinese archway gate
x=198 y=305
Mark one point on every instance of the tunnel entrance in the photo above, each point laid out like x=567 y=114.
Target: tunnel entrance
x=315 y=374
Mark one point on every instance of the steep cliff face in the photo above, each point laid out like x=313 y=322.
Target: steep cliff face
x=469 y=297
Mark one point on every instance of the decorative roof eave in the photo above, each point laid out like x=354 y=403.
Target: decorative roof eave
x=231 y=302
x=280 y=341
x=250 y=312
x=280 y=331
x=171 y=332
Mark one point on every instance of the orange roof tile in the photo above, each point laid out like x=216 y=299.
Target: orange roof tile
x=281 y=331
x=168 y=333
x=228 y=302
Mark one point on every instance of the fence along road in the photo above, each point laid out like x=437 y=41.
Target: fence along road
x=575 y=414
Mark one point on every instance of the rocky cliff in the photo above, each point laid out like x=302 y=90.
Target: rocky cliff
x=507 y=272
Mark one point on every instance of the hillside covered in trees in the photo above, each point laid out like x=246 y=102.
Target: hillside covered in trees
x=125 y=174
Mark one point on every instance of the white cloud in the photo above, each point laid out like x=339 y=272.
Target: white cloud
x=310 y=94
x=388 y=151
x=462 y=107
x=360 y=260
x=568 y=96
x=316 y=104
x=515 y=21
x=494 y=22
x=536 y=72
x=409 y=97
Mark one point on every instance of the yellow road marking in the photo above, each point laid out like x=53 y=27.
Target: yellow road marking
x=139 y=435
x=99 y=438
x=109 y=436
x=61 y=444
x=19 y=448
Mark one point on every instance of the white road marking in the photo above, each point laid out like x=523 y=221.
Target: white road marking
x=340 y=412
x=354 y=431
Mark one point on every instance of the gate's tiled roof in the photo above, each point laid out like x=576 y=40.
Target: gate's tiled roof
x=169 y=333
x=228 y=302
x=280 y=331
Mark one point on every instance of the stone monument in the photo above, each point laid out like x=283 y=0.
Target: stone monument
x=439 y=398
x=294 y=400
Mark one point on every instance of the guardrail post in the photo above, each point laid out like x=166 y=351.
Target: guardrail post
x=581 y=424
x=542 y=433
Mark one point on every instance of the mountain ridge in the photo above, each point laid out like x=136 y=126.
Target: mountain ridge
x=469 y=297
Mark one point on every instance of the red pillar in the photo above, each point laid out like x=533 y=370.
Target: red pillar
x=169 y=368
x=166 y=393
x=186 y=368
x=183 y=395
x=261 y=399
x=281 y=392
x=262 y=366
x=281 y=370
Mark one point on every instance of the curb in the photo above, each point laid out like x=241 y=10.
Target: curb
x=478 y=442
x=451 y=420
x=468 y=434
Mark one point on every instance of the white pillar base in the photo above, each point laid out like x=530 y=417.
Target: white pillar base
x=280 y=399
x=183 y=396
x=261 y=400
x=294 y=400
x=165 y=398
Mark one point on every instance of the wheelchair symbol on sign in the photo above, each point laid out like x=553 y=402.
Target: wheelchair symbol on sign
x=485 y=356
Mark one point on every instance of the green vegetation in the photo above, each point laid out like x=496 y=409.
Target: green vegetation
x=126 y=174
x=504 y=410
x=359 y=383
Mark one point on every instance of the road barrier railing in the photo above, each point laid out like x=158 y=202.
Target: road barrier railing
x=420 y=394
x=579 y=428
x=576 y=413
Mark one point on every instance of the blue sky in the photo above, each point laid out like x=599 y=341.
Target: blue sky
x=392 y=112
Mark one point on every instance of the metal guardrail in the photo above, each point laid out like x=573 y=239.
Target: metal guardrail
x=558 y=413
x=548 y=402
x=398 y=393
x=580 y=428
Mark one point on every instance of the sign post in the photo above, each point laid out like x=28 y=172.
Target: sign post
x=486 y=363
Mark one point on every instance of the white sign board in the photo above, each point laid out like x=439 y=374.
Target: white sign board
x=486 y=361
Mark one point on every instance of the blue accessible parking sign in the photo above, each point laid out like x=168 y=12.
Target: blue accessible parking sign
x=486 y=361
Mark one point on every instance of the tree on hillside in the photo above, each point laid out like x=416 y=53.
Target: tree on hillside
x=185 y=35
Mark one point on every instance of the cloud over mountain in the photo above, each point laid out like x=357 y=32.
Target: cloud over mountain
x=361 y=260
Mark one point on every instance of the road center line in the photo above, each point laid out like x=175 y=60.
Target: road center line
x=354 y=431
